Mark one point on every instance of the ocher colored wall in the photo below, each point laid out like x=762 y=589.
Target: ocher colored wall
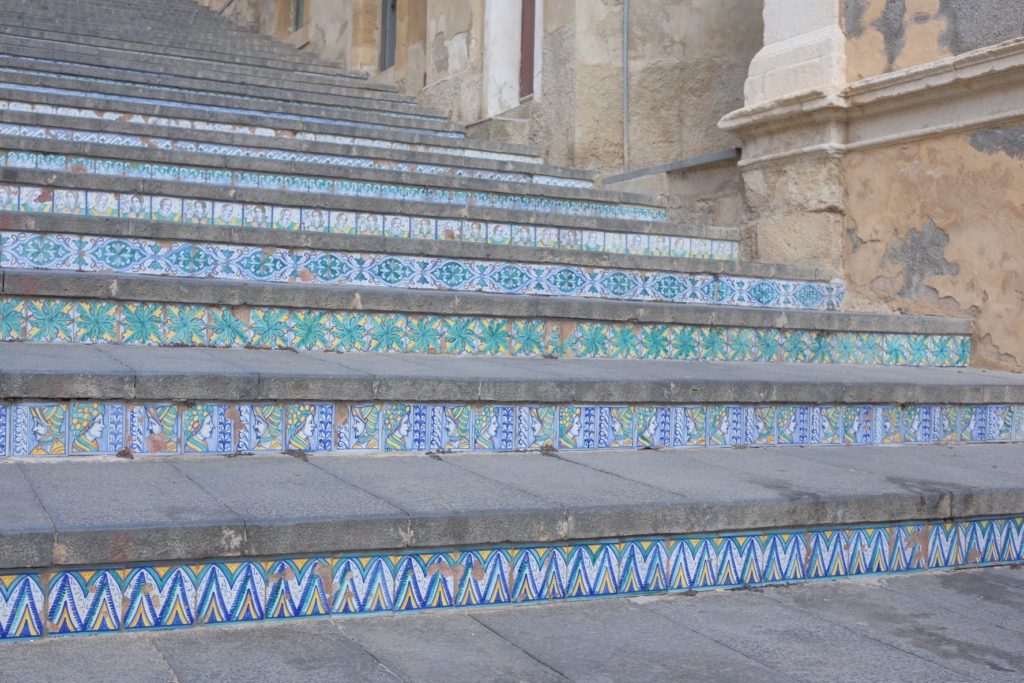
x=937 y=226
x=886 y=35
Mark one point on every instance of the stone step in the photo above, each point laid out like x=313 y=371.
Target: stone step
x=298 y=181
x=197 y=252
x=89 y=105
x=231 y=63
x=95 y=308
x=18 y=123
x=365 y=118
x=222 y=40
x=464 y=217
x=264 y=92
x=195 y=400
x=95 y=547
x=161 y=64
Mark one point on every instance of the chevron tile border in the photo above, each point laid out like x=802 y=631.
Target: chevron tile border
x=111 y=599
x=42 y=429
x=164 y=209
x=305 y=184
x=239 y=262
x=243 y=129
x=99 y=321
x=276 y=154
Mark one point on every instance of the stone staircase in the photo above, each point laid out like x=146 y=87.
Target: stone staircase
x=213 y=244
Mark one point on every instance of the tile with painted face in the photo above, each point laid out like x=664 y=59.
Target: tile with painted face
x=343 y=222
x=97 y=428
x=286 y=218
x=309 y=427
x=316 y=220
x=257 y=216
x=153 y=429
x=228 y=213
x=8 y=197
x=167 y=209
x=450 y=428
x=259 y=428
x=535 y=427
x=69 y=202
x=363 y=428
x=494 y=428
x=39 y=429
x=474 y=231
x=36 y=200
x=197 y=211
x=206 y=429
x=423 y=229
x=396 y=226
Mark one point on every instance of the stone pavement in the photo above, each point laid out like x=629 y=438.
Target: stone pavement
x=957 y=626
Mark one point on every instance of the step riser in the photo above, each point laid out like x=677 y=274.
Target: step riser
x=63 y=52
x=196 y=83
x=252 y=61
x=137 y=115
x=166 y=144
x=70 y=252
x=112 y=321
x=374 y=187
x=183 y=595
x=165 y=96
x=289 y=69
x=35 y=429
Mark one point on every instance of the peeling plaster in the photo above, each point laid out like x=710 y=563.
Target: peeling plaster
x=1009 y=141
x=893 y=29
x=921 y=255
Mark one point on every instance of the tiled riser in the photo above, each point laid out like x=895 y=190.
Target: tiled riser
x=35 y=199
x=168 y=144
x=31 y=429
x=251 y=102
x=210 y=107
x=184 y=596
x=257 y=264
x=317 y=185
x=160 y=324
x=241 y=129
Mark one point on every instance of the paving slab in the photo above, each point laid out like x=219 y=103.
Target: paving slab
x=444 y=647
x=290 y=506
x=794 y=642
x=449 y=505
x=618 y=641
x=899 y=614
x=85 y=660
x=308 y=651
x=25 y=526
x=145 y=511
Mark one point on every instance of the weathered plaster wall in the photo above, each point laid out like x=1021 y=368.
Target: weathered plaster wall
x=885 y=35
x=937 y=226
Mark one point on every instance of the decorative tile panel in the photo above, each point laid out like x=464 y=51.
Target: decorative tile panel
x=180 y=596
x=276 y=154
x=79 y=429
x=70 y=252
x=198 y=211
x=271 y=217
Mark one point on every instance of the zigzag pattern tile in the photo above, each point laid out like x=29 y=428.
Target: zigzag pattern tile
x=93 y=321
x=60 y=428
x=109 y=599
x=97 y=254
x=170 y=104
x=276 y=154
x=167 y=209
x=304 y=184
x=242 y=129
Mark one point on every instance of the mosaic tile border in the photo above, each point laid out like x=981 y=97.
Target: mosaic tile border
x=307 y=184
x=37 y=428
x=67 y=78
x=242 y=129
x=102 y=254
x=102 y=321
x=130 y=598
x=278 y=154
x=172 y=209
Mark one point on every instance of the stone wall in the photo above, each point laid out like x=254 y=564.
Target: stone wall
x=688 y=60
